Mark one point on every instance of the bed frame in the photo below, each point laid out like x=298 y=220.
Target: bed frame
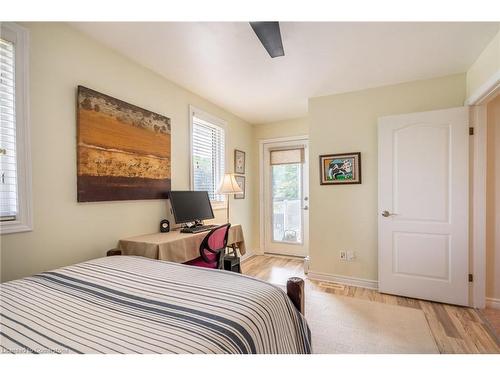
x=294 y=286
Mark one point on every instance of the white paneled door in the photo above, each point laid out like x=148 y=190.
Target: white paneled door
x=423 y=205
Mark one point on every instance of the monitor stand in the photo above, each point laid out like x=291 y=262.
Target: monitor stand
x=196 y=227
x=196 y=223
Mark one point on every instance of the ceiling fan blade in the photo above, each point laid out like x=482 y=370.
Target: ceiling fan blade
x=270 y=37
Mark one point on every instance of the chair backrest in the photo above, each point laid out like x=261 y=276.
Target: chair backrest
x=215 y=243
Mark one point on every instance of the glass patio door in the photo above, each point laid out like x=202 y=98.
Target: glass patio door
x=286 y=198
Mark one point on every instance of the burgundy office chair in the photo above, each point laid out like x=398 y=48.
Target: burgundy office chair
x=212 y=248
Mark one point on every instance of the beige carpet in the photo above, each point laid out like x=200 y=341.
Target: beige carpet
x=351 y=325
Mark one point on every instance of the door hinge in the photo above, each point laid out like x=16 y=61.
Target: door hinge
x=471 y=131
x=471 y=277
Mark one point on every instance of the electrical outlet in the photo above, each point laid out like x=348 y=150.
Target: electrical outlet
x=343 y=255
x=351 y=255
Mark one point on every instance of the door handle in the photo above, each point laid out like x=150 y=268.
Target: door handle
x=306 y=208
x=387 y=213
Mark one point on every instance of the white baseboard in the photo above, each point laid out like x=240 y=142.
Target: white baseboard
x=347 y=280
x=493 y=303
x=247 y=256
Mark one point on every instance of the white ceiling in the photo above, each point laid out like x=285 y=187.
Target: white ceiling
x=225 y=62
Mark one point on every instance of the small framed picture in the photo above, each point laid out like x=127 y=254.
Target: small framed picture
x=339 y=169
x=239 y=161
x=241 y=183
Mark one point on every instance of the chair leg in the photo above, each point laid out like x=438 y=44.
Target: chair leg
x=220 y=260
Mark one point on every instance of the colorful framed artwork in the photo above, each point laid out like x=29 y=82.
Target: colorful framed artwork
x=239 y=161
x=123 y=151
x=241 y=183
x=340 y=169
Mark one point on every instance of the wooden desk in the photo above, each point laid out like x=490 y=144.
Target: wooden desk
x=175 y=246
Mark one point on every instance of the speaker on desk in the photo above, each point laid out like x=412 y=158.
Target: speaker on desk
x=164 y=226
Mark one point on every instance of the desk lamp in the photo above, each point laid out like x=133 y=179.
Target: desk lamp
x=228 y=186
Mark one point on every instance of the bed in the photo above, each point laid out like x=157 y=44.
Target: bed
x=126 y=304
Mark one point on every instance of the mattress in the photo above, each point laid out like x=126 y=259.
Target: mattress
x=125 y=304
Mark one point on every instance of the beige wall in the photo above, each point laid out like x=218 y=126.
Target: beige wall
x=280 y=129
x=65 y=231
x=345 y=217
x=485 y=66
x=493 y=201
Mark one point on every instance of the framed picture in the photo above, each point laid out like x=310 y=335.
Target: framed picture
x=239 y=161
x=123 y=150
x=339 y=169
x=241 y=183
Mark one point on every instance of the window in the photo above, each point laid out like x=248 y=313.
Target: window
x=15 y=167
x=207 y=153
x=287 y=194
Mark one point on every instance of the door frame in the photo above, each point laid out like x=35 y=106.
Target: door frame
x=477 y=104
x=262 y=143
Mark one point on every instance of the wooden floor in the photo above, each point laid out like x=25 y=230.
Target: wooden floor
x=492 y=316
x=455 y=329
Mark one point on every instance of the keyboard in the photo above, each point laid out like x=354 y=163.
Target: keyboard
x=198 y=229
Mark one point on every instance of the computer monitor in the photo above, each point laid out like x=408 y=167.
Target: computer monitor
x=189 y=206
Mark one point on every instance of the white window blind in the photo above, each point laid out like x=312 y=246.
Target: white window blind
x=8 y=158
x=288 y=156
x=15 y=156
x=208 y=154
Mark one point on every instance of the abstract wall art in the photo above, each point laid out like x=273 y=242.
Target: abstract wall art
x=123 y=151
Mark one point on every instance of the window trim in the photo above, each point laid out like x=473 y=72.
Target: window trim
x=194 y=111
x=24 y=221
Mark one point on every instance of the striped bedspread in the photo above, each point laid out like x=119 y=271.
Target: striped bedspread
x=124 y=304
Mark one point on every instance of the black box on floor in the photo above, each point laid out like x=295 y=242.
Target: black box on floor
x=232 y=263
